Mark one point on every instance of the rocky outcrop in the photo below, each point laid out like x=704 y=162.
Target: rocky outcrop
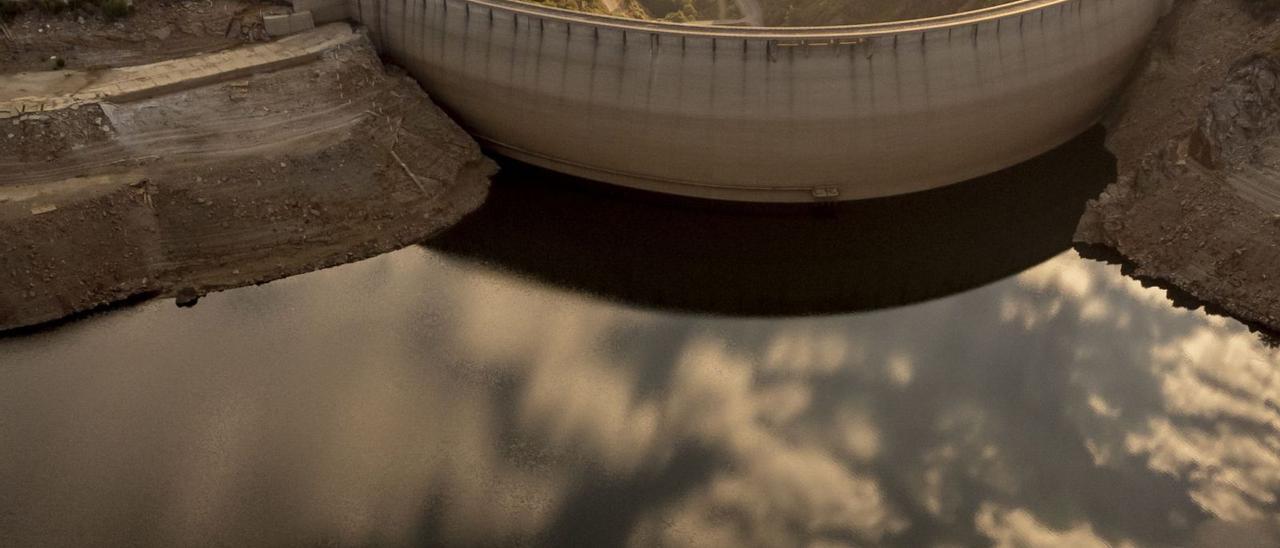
x=1197 y=204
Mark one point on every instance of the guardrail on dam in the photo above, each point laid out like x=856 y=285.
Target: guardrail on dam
x=768 y=114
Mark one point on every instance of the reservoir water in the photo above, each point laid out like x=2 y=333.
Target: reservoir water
x=574 y=366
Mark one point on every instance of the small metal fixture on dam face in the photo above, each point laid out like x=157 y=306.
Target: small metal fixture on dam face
x=769 y=114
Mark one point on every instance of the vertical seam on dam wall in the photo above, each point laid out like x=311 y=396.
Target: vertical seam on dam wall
x=906 y=108
x=771 y=46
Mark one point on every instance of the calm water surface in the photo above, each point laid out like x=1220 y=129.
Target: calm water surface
x=1001 y=391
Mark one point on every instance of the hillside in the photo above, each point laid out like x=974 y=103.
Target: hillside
x=805 y=13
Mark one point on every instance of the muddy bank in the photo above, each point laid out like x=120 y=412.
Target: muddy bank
x=1197 y=204
x=225 y=185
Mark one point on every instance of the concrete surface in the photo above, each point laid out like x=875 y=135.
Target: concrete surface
x=765 y=114
x=290 y=23
x=322 y=11
x=301 y=22
x=278 y=25
x=30 y=93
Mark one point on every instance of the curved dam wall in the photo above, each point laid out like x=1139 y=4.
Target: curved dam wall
x=768 y=114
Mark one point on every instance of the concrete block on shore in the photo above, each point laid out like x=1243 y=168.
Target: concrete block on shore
x=301 y=21
x=277 y=25
x=322 y=11
x=281 y=25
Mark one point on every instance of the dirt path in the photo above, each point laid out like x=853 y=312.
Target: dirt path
x=224 y=185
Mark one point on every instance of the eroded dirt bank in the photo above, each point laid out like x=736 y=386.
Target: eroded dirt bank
x=1197 y=204
x=224 y=185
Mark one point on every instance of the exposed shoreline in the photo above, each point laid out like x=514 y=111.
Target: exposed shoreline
x=226 y=184
x=1196 y=139
x=317 y=184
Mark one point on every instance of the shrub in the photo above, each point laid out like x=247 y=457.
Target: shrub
x=53 y=6
x=115 y=8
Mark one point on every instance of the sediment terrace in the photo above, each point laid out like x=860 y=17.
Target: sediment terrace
x=217 y=171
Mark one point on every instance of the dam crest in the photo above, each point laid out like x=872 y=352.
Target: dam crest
x=768 y=114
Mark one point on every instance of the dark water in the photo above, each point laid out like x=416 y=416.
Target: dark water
x=575 y=367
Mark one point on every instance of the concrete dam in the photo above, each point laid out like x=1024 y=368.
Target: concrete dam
x=768 y=114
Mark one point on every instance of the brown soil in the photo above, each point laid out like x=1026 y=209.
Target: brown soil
x=1189 y=57
x=226 y=185
x=157 y=29
x=1198 y=139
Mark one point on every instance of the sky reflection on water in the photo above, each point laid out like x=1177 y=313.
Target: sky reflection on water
x=417 y=398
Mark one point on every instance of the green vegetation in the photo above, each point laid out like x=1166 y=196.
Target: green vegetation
x=115 y=8
x=626 y=8
x=9 y=8
x=680 y=11
x=110 y=8
x=14 y=7
x=587 y=6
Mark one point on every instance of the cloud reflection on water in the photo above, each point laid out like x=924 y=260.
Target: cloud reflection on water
x=412 y=398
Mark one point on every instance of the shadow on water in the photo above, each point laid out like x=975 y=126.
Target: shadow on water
x=706 y=257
